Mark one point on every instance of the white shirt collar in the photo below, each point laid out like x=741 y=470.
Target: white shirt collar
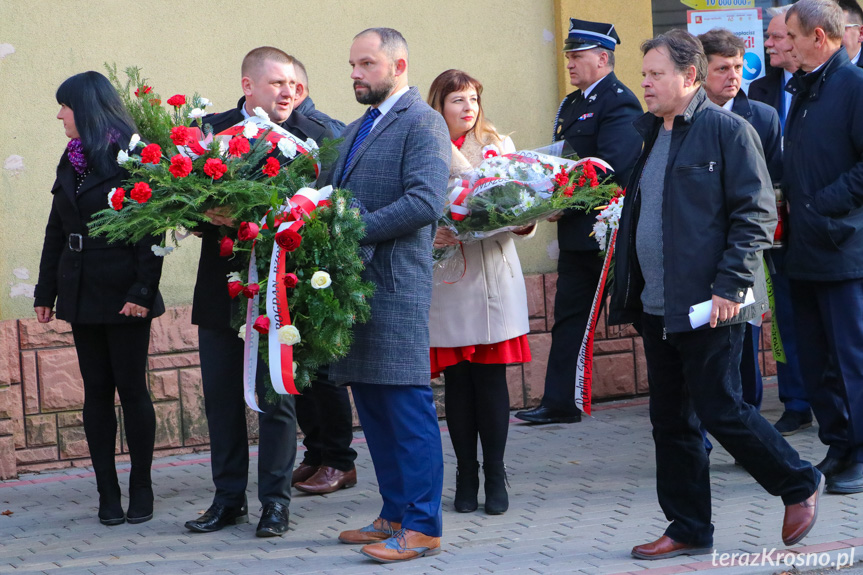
x=856 y=58
x=246 y=115
x=388 y=104
x=590 y=88
x=729 y=104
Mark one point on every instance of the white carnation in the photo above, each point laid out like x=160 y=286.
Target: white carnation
x=250 y=130
x=161 y=251
x=287 y=147
x=205 y=102
x=133 y=143
x=259 y=112
x=242 y=332
x=197 y=113
x=122 y=157
x=234 y=277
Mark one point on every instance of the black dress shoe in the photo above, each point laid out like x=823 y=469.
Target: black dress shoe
x=831 y=466
x=793 y=421
x=274 y=520
x=217 y=517
x=849 y=481
x=544 y=414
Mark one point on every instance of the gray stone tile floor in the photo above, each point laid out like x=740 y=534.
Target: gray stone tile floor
x=581 y=496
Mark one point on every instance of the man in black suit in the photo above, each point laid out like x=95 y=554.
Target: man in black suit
x=269 y=82
x=595 y=120
x=770 y=89
x=853 y=34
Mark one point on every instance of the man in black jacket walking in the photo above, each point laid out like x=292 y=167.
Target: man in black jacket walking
x=269 y=82
x=699 y=211
x=823 y=182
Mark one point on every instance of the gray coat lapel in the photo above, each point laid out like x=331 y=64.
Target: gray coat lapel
x=404 y=102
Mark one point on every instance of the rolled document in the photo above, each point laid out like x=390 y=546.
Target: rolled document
x=699 y=314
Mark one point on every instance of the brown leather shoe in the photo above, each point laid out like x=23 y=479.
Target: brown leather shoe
x=666 y=547
x=403 y=546
x=379 y=530
x=303 y=472
x=800 y=517
x=327 y=480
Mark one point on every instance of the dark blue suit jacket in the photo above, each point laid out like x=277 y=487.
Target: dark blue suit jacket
x=765 y=120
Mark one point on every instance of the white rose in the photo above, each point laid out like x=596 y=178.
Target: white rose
x=250 y=130
x=259 y=112
x=133 y=143
x=197 y=113
x=287 y=147
x=122 y=157
x=289 y=335
x=321 y=280
x=234 y=277
x=161 y=251
x=242 y=332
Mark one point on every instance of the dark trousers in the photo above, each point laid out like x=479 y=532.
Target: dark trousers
x=477 y=405
x=696 y=376
x=114 y=357
x=750 y=370
x=222 y=374
x=324 y=414
x=578 y=274
x=401 y=428
x=792 y=386
x=829 y=321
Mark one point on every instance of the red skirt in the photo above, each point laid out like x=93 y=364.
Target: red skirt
x=515 y=350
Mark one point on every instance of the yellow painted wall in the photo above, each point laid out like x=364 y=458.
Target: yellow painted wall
x=185 y=47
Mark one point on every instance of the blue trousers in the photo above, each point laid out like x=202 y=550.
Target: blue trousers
x=829 y=321
x=696 y=376
x=792 y=386
x=401 y=428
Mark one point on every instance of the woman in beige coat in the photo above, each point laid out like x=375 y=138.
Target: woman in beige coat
x=478 y=324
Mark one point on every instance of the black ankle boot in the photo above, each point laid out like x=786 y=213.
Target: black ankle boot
x=496 y=499
x=466 y=487
x=140 y=495
x=110 y=508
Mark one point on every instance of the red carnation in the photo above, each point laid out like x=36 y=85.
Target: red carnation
x=151 y=154
x=568 y=191
x=288 y=240
x=248 y=231
x=143 y=90
x=181 y=166
x=215 y=168
x=226 y=247
x=251 y=290
x=177 y=100
x=581 y=181
x=234 y=289
x=262 y=325
x=561 y=179
x=117 y=199
x=181 y=135
x=141 y=192
x=271 y=167
x=290 y=281
x=238 y=146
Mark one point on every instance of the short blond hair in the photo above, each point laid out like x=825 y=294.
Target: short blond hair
x=258 y=56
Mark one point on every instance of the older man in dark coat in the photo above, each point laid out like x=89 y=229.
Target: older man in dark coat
x=395 y=160
x=823 y=182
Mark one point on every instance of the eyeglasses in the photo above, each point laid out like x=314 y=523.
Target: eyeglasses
x=852 y=25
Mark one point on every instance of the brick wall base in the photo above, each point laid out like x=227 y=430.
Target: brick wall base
x=41 y=392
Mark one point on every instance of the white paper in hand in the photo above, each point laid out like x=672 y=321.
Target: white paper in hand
x=699 y=314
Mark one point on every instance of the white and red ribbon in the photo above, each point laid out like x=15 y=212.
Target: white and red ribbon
x=276 y=134
x=584 y=367
x=250 y=347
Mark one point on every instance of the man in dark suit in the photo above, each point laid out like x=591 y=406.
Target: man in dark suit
x=722 y=83
x=395 y=160
x=770 y=90
x=853 y=34
x=825 y=249
x=306 y=107
x=595 y=120
x=269 y=82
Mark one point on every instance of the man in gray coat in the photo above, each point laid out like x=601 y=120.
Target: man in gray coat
x=395 y=160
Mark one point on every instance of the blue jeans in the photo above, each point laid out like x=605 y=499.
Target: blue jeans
x=694 y=378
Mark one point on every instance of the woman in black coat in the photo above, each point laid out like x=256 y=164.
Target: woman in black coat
x=108 y=292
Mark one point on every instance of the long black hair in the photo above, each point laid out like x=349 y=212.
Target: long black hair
x=102 y=121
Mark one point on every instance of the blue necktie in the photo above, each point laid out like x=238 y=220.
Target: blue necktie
x=364 y=130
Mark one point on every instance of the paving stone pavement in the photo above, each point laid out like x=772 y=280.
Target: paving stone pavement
x=581 y=496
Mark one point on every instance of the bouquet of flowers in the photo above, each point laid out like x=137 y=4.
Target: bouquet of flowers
x=302 y=243
x=508 y=192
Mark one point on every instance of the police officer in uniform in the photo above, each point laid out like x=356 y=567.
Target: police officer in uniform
x=595 y=120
